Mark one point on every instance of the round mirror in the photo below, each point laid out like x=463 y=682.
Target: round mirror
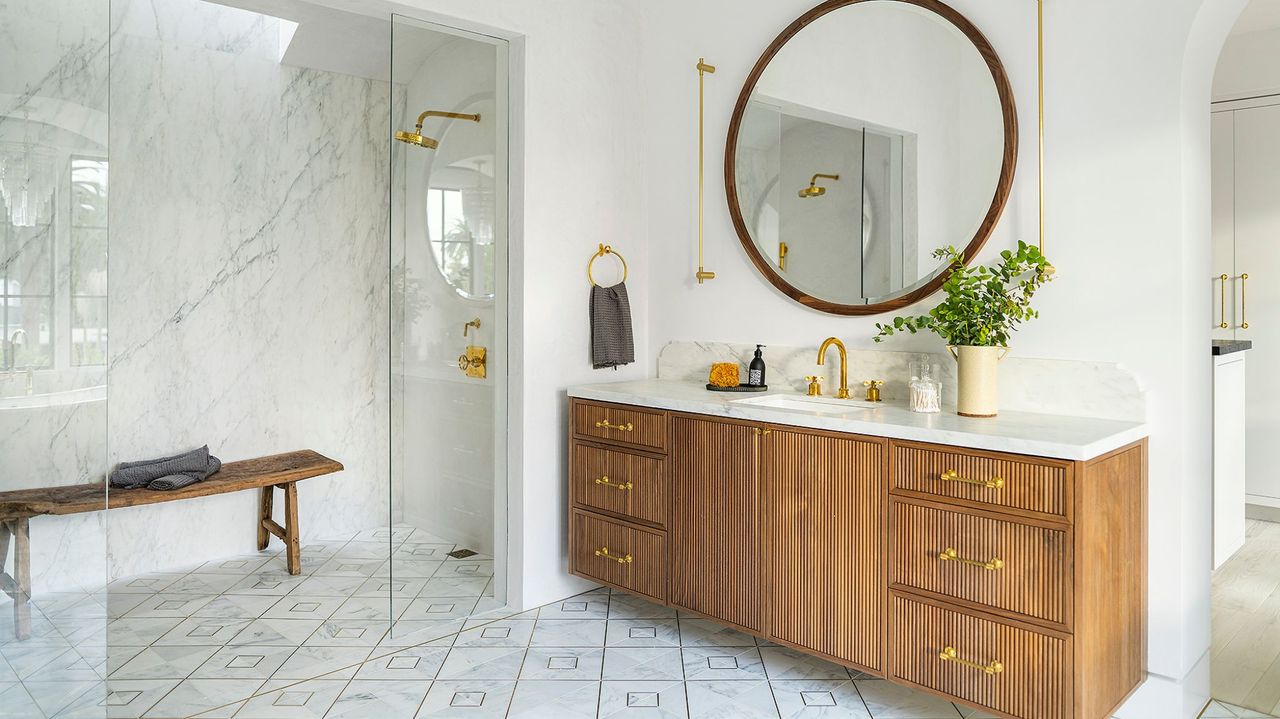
x=869 y=133
x=461 y=204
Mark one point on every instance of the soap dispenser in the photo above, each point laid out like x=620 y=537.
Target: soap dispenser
x=755 y=373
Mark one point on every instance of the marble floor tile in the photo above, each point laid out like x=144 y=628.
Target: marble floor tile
x=397 y=588
x=131 y=698
x=730 y=700
x=412 y=633
x=243 y=662
x=369 y=699
x=568 y=633
x=204 y=584
x=55 y=696
x=163 y=662
x=971 y=713
x=706 y=633
x=409 y=567
x=822 y=699
x=242 y=566
x=583 y=606
x=491 y=663
x=495 y=633
x=198 y=631
x=439 y=608
x=170 y=605
x=18 y=702
x=785 y=663
x=422 y=551
x=467 y=700
x=293 y=700
x=626 y=606
x=555 y=700
x=357 y=549
x=643 y=664
x=416 y=664
x=144 y=583
x=464 y=568
x=271 y=584
x=301 y=606
x=237 y=606
x=891 y=701
x=348 y=633
x=453 y=586
x=277 y=632
x=561 y=663
x=311 y=662
x=140 y=632
x=643 y=700
x=341 y=566
x=642 y=633
x=723 y=663
x=370 y=608
x=207 y=698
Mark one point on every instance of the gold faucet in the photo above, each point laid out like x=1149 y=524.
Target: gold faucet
x=843 y=392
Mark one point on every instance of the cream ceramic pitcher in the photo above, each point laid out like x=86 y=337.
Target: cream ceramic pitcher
x=978 y=378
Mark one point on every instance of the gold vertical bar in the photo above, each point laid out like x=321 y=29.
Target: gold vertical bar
x=1244 y=323
x=703 y=68
x=1040 y=91
x=1222 y=322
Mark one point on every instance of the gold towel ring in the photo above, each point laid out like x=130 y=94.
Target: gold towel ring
x=606 y=250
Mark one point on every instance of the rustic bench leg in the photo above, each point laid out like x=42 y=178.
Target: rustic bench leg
x=20 y=529
x=264 y=514
x=292 y=545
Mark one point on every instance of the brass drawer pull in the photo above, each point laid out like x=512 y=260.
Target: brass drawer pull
x=604 y=424
x=953 y=476
x=950 y=555
x=605 y=481
x=604 y=552
x=949 y=654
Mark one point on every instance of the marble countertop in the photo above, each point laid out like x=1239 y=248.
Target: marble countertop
x=1041 y=435
x=1226 y=347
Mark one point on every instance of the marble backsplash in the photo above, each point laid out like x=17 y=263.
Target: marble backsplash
x=1066 y=387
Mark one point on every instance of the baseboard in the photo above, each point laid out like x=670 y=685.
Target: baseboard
x=1261 y=512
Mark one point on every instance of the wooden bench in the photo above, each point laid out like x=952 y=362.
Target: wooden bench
x=282 y=471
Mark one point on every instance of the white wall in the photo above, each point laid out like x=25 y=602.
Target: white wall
x=1250 y=66
x=1127 y=173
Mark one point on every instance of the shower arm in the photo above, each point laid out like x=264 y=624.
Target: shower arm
x=440 y=113
x=814 y=180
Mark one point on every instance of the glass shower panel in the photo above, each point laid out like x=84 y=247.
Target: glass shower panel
x=449 y=253
x=53 y=374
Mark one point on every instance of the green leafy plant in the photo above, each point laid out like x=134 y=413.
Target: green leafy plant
x=984 y=305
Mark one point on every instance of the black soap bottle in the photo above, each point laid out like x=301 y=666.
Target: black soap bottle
x=755 y=373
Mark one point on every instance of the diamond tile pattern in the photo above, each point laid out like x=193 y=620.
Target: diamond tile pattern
x=355 y=636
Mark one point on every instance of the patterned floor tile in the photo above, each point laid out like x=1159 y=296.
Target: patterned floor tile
x=825 y=699
x=131 y=698
x=301 y=606
x=439 y=608
x=467 y=700
x=891 y=701
x=141 y=631
x=170 y=605
x=625 y=606
x=271 y=584
x=555 y=700
x=243 y=663
x=409 y=567
x=163 y=662
x=293 y=700
x=53 y=697
x=490 y=663
x=643 y=700
x=365 y=699
x=730 y=700
x=208 y=698
x=723 y=663
x=348 y=633
x=560 y=663
x=568 y=633
x=784 y=663
x=642 y=633
x=311 y=662
x=706 y=633
x=412 y=633
x=198 y=631
x=277 y=632
x=17 y=702
x=237 y=606
x=643 y=664
x=416 y=664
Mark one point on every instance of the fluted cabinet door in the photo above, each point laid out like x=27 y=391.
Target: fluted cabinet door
x=713 y=522
x=825 y=500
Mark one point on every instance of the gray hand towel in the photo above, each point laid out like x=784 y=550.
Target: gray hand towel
x=195 y=465
x=611 y=340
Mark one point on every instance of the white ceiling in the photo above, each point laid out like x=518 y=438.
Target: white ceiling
x=1259 y=15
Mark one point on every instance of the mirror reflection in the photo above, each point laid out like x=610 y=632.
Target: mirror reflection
x=874 y=135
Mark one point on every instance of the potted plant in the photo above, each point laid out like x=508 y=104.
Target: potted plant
x=984 y=305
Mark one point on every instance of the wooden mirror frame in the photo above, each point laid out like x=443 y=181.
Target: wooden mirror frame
x=998 y=201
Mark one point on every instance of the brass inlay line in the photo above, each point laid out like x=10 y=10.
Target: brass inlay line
x=703 y=68
x=953 y=476
x=949 y=654
x=1040 y=91
x=603 y=553
x=604 y=424
x=950 y=555
x=605 y=482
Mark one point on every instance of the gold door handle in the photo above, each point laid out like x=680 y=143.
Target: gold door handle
x=604 y=553
x=763 y=431
x=1244 y=324
x=1222 y=320
x=953 y=476
x=949 y=654
x=605 y=481
x=604 y=424
x=950 y=555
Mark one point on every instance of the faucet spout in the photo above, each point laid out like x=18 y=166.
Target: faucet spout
x=843 y=392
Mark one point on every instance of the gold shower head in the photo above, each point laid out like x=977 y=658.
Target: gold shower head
x=813 y=190
x=417 y=138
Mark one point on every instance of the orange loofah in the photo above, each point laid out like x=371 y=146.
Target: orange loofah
x=724 y=374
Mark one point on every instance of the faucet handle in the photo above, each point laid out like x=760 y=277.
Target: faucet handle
x=873 y=389
x=815 y=385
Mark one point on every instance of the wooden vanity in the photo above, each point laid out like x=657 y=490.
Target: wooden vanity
x=1008 y=582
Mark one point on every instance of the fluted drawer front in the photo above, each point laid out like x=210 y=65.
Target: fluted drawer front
x=621 y=482
x=984 y=478
x=996 y=665
x=629 y=556
x=622 y=424
x=1021 y=568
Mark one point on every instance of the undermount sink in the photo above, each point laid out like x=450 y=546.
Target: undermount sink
x=800 y=403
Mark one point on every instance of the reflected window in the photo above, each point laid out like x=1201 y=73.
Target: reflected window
x=457 y=250
x=26 y=295
x=88 y=244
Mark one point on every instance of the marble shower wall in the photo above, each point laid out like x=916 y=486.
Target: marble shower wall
x=249 y=273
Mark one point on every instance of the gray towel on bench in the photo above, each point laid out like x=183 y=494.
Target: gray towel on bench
x=166 y=473
x=611 y=340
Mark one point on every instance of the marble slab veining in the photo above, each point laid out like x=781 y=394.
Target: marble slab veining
x=1041 y=435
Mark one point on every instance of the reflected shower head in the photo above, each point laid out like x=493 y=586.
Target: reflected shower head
x=813 y=190
x=417 y=138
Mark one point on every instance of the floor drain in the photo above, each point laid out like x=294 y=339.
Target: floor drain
x=462 y=553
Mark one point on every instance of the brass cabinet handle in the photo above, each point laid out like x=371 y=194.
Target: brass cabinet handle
x=952 y=476
x=1244 y=324
x=605 y=481
x=1222 y=302
x=604 y=552
x=604 y=424
x=949 y=654
x=950 y=555
x=763 y=431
